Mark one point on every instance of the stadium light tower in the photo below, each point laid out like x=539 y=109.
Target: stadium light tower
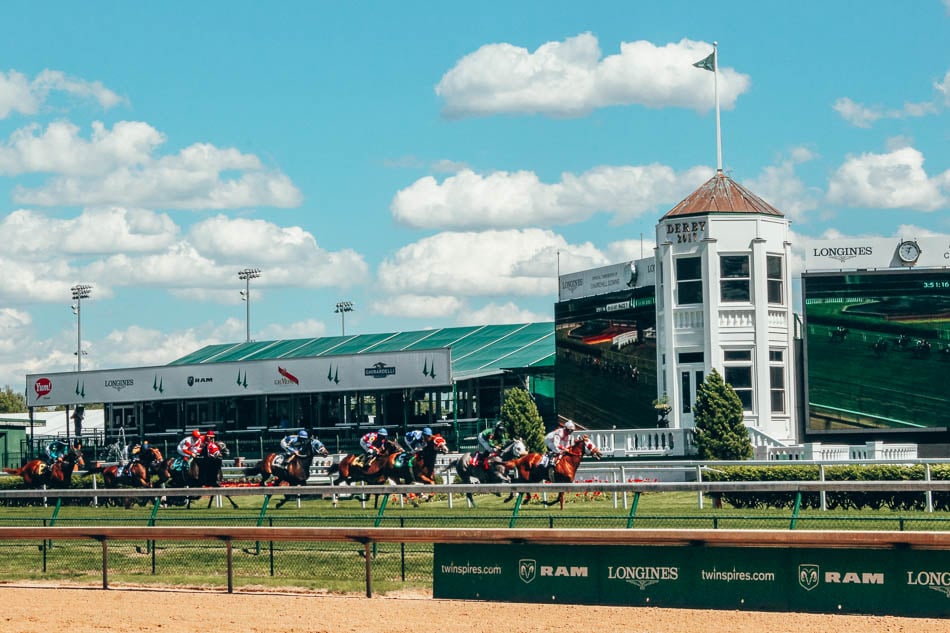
x=247 y=275
x=80 y=292
x=342 y=308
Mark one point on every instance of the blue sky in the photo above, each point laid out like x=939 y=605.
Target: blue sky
x=426 y=162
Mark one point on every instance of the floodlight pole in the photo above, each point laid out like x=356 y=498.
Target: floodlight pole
x=247 y=275
x=342 y=308
x=80 y=292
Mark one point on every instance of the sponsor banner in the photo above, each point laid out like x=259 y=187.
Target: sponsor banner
x=598 y=281
x=393 y=370
x=871 y=253
x=817 y=580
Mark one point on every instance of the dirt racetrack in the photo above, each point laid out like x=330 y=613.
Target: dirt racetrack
x=37 y=609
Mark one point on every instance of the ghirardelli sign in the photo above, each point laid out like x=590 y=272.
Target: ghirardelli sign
x=843 y=253
x=379 y=370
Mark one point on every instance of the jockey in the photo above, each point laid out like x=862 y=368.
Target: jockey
x=293 y=444
x=417 y=440
x=557 y=442
x=206 y=443
x=133 y=453
x=373 y=443
x=190 y=446
x=55 y=451
x=490 y=441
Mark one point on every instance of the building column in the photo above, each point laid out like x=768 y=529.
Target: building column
x=760 y=358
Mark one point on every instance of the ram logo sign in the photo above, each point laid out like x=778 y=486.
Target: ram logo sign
x=527 y=569
x=808 y=576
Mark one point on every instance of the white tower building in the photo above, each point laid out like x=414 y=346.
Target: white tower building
x=724 y=302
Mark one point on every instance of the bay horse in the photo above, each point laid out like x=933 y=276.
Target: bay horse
x=293 y=469
x=530 y=470
x=36 y=473
x=418 y=466
x=203 y=471
x=353 y=468
x=138 y=474
x=493 y=470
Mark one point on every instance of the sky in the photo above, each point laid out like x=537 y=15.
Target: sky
x=435 y=164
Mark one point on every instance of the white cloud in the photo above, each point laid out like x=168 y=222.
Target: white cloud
x=60 y=150
x=571 y=78
x=860 y=115
x=19 y=94
x=513 y=199
x=94 y=231
x=118 y=167
x=500 y=314
x=943 y=87
x=517 y=262
x=417 y=306
x=308 y=328
x=895 y=180
x=781 y=187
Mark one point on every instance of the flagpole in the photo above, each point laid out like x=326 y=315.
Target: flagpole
x=716 y=90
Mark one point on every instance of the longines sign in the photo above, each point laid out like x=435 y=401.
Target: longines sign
x=893 y=581
x=877 y=253
x=394 y=370
x=599 y=281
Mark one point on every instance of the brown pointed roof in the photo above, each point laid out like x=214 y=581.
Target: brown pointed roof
x=722 y=194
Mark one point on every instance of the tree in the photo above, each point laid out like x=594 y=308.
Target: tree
x=11 y=401
x=521 y=417
x=720 y=432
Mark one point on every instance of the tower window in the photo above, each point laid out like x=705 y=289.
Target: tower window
x=734 y=279
x=774 y=278
x=689 y=280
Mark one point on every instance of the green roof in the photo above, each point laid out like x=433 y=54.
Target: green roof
x=480 y=350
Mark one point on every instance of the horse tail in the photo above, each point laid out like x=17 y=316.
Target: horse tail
x=14 y=471
x=253 y=470
x=93 y=470
x=333 y=469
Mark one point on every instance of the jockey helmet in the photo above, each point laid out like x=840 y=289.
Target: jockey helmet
x=383 y=433
x=427 y=432
x=196 y=434
x=303 y=434
x=209 y=434
x=500 y=426
x=569 y=425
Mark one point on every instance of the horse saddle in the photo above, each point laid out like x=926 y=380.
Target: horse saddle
x=281 y=460
x=403 y=460
x=178 y=464
x=362 y=461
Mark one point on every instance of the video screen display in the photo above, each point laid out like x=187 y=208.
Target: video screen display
x=605 y=372
x=877 y=350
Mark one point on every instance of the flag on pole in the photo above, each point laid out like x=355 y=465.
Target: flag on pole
x=707 y=63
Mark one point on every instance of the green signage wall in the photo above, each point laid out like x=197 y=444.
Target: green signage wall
x=888 y=581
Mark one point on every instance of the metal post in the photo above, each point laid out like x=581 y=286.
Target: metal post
x=930 y=498
x=798 y=505
x=633 y=509
x=514 y=512
x=105 y=562
x=369 y=569
x=230 y=565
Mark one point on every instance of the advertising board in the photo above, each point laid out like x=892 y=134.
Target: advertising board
x=818 y=580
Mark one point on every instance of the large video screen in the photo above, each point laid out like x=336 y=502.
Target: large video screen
x=605 y=372
x=877 y=351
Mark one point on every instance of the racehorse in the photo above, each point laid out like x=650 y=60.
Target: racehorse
x=921 y=348
x=493 y=469
x=418 y=466
x=353 y=468
x=293 y=469
x=203 y=471
x=838 y=334
x=529 y=467
x=880 y=346
x=138 y=474
x=36 y=473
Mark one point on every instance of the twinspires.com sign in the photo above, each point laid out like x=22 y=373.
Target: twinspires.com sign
x=887 y=582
